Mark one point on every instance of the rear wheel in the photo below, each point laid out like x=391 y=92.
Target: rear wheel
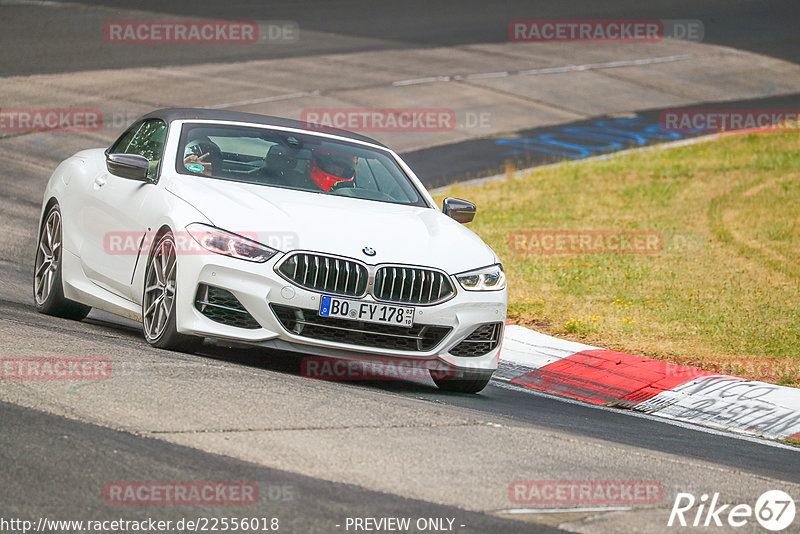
x=48 y=289
x=461 y=381
x=158 y=301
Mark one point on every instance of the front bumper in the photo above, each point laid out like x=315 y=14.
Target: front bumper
x=257 y=286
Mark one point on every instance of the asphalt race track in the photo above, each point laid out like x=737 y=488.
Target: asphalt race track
x=762 y=27
x=300 y=503
x=322 y=452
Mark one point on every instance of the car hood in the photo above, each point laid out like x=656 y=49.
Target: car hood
x=296 y=220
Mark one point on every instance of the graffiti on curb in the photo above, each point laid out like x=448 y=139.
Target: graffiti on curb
x=576 y=142
x=729 y=402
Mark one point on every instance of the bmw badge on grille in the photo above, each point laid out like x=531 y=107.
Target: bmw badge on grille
x=368 y=251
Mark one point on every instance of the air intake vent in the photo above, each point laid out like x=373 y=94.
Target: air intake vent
x=326 y=274
x=411 y=285
x=222 y=306
x=482 y=340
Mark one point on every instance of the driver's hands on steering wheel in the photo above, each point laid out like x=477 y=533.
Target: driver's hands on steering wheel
x=344 y=184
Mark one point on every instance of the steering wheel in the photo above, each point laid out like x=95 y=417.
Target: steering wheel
x=344 y=184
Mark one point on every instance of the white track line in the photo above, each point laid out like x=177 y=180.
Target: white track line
x=40 y=3
x=275 y=98
x=474 y=76
x=546 y=70
x=487 y=75
x=415 y=81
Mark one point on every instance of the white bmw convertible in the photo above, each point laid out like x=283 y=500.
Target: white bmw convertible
x=267 y=231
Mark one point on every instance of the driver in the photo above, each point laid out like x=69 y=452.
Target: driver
x=202 y=155
x=331 y=169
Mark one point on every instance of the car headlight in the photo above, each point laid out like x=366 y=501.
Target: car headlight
x=490 y=278
x=229 y=244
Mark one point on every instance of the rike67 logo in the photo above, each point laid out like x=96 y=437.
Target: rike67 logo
x=774 y=510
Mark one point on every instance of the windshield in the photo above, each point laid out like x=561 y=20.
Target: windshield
x=303 y=162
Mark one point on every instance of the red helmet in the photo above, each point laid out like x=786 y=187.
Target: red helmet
x=329 y=167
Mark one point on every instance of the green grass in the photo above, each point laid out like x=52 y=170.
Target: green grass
x=724 y=292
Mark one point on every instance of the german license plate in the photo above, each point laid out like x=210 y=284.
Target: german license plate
x=369 y=312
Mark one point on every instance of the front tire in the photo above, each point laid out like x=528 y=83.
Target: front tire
x=158 y=300
x=48 y=288
x=461 y=381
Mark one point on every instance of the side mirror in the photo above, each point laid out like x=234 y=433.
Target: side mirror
x=130 y=166
x=460 y=210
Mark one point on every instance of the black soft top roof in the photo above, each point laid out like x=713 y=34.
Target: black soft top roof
x=172 y=114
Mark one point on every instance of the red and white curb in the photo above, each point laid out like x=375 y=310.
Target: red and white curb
x=537 y=361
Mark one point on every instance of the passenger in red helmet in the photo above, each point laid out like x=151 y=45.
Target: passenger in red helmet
x=329 y=168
